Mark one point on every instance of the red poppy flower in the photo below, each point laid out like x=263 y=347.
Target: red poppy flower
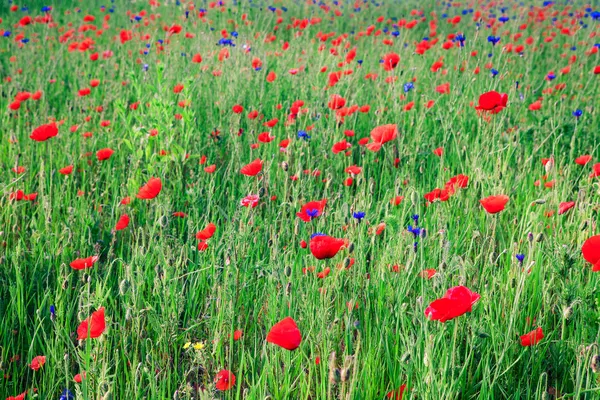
x=456 y=302
x=210 y=169
x=532 y=338
x=44 y=132
x=324 y=247
x=83 y=263
x=340 y=146
x=285 y=334
x=224 y=380
x=396 y=394
x=271 y=76
x=439 y=151
x=253 y=168
x=150 y=190
x=122 y=223
x=79 y=377
x=18 y=397
x=92 y=327
x=311 y=210
x=265 y=137
x=250 y=201
x=382 y=134
x=207 y=232
x=66 y=170
x=237 y=109
x=595 y=170
x=582 y=160
x=37 y=362
x=397 y=200
x=237 y=335
x=336 y=102
x=591 y=252
x=390 y=61
x=104 y=154
x=565 y=206
x=492 y=102
x=353 y=169
x=494 y=204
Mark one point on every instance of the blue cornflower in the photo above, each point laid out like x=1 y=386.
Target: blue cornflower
x=312 y=213
x=493 y=39
x=550 y=76
x=6 y=34
x=520 y=258
x=52 y=312
x=234 y=34
x=137 y=18
x=145 y=67
x=461 y=39
x=303 y=135
x=577 y=113
x=66 y=395
x=395 y=33
x=503 y=19
x=359 y=215
x=46 y=8
x=359 y=62
x=416 y=231
x=408 y=87
x=494 y=72
x=317 y=234
x=415 y=218
x=226 y=42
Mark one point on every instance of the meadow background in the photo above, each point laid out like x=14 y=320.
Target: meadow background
x=160 y=292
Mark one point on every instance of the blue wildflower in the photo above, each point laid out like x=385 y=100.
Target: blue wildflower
x=359 y=215
x=408 y=87
x=550 y=76
x=577 y=113
x=6 y=34
x=313 y=213
x=494 y=72
x=520 y=258
x=317 y=234
x=66 y=395
x=303 y=135
x=415 y=218
x=493 y=39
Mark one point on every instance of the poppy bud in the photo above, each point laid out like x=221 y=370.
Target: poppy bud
x=414 y=198
x=350 y=248
x=539 y=238
x=284 y=165
x=288 y=288
x=584 y=225
x=261 y=192
x=595 y=363
x=287 y=271
x=530 y=237
x=567 y=312
x=128 y=315
x=123 y=287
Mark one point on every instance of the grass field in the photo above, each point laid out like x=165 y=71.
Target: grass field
x=201 y=171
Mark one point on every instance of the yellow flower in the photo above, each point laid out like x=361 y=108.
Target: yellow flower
x=198 y=346
x=187 y=345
